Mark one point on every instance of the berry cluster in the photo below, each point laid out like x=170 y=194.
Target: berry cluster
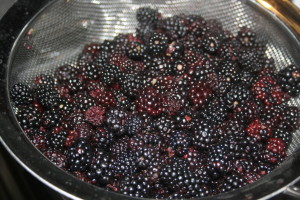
x=181 y=109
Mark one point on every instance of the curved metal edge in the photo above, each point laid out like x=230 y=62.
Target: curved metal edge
x=286 y=11
x=12 y=30
x=36 y=175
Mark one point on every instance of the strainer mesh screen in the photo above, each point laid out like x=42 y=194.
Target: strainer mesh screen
x=57 y=35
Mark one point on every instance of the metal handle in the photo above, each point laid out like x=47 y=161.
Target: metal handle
x=288 y=12
x=293 y=191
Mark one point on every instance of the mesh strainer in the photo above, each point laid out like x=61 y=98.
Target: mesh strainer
x=57 y=34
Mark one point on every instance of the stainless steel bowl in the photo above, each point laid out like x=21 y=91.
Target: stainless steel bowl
x=38 y=36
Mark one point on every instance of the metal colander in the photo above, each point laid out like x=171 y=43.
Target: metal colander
x=58 y=33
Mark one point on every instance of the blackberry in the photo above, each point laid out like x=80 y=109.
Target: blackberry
x=21 y=94
x=289 y=79
x=66 y=72
x=291 y=118
x=272 y=115
x=265 y=167
x=144 y=31
x=243 y=166
x=79 y=156
x=175 y=50
x=75 y=84
x=229 y=70
x=46 y=96
x=51 y=118
x=107 y=98
x=122 y=100
x=147 y=15
x=130 y=84
x=282 y=133
x=233 y=128
x=176 y=175
x=232 y=182
x=108 y=46
x=251 y=60
x=46 y=80
x=133 y=125
x=124 y=165
x=157 y=44
x=76 y=117
x=98 y=171
x=179 y=67
x=115 y=120
x=245 y=78
x=252 y=147
x=172 y=102
x=84 y=131
x=90 y=71
x=28 y=117
x=95 y=115
x=59 y=159
x=199 y=94
x=215 y=111
x=103 y=138
x=246 y=112
x=92 y=49
x=197 y=161
x=119 y=146
x=174 y=27
x=246 y=37
x=220 y=85
x=268 y=90
x=259 y=130
x=236 y=95
x=210 y=45
x=198 y=191
x=56 y=140
x=136 y=50
x=37 y=137
x=146 y=139
x=202 y=70
x=64 y=106
x=274 y=151
x=228 y=51
x=110 y=74
x=219 y=161
x=197 y=26
x=185 y=118
x=149 y=102
x=146 y=155
x=204 y=135
x=83 y=101
x=135 y=186
x=180 y=142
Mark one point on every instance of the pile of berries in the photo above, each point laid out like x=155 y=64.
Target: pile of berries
x=181 y=109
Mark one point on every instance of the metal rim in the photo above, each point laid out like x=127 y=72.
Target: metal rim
x=17 y=144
